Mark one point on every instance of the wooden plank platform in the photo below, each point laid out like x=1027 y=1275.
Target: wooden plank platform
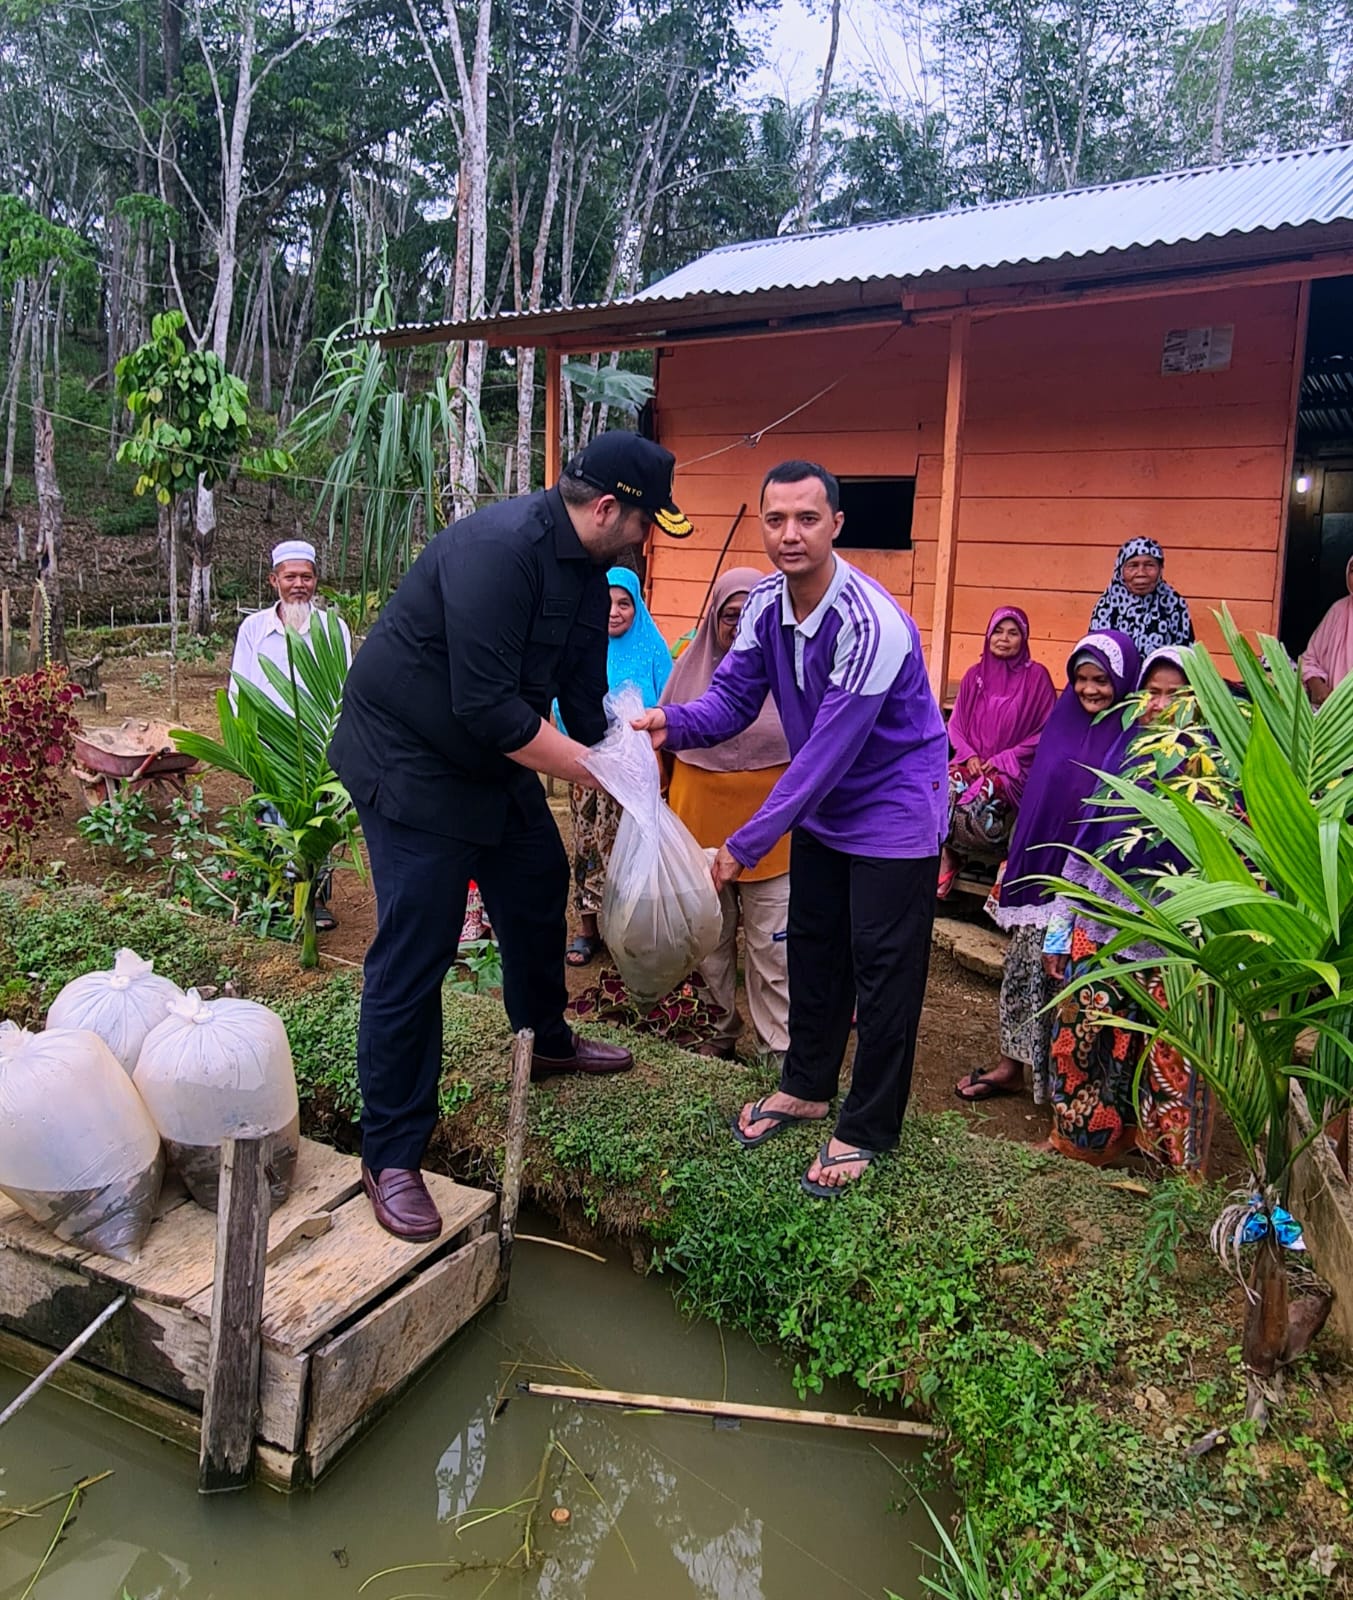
x=350 y=1314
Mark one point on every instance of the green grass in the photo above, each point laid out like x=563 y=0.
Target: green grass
x=1072 y=1336
x=48 y=937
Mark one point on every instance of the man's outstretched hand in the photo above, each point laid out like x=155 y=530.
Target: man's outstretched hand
x=654 y=724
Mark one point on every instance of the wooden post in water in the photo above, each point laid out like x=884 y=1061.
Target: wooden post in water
x=513 y=1159
x=230 y=1402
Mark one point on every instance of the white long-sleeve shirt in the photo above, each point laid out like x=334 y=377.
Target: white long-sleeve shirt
x=264 y=635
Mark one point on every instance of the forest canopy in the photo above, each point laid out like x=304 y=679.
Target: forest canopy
x=274 y=170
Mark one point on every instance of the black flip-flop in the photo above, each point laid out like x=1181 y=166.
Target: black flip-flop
x=325 y=920
x=585 y=947
x=825 y=1191
x=779 y=1121
x=981 y=1081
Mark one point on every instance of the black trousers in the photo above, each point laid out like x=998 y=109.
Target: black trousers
x=859 y=934
x=421 y=881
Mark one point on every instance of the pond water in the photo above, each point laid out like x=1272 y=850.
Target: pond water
x=660 y=1507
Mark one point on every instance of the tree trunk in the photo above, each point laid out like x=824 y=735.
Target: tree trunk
x=526 y=355
x=137 y=330
x=265 y=328
x=199 y=580
x=474 y=92
x=233 y=141
x=244 y=349
x=1266 y=1317
x=808 y=189
x=171 y=31
x=1225 y=72
x=57 y=320
x=50 y=517
x=177 y=516
x=18 y=343
x=318 y=240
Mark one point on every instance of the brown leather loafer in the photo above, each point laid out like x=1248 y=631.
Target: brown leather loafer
x=402 y=1204
x=589 y=1055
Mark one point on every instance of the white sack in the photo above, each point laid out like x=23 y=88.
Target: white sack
x=660 y=915
x=218 y=1069
x=78 y=1150
x=121 y=1005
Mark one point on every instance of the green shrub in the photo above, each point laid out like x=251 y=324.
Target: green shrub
x=322 y=1027
x=52 y=938
x=121 y=826
x=121 y=521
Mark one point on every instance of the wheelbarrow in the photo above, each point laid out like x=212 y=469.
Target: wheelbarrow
x=140 y=754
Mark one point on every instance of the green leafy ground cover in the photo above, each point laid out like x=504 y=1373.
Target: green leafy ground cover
x=1073 y=1336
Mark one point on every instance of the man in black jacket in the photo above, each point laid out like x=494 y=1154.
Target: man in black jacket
x=445 y=728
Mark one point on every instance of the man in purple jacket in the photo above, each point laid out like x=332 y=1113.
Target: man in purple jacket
x=866 y=796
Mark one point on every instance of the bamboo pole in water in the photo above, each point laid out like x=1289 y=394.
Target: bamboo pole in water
x=514 y=1155
x=72 y=1349
x=900 y=1426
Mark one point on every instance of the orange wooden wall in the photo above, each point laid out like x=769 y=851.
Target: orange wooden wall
x=1074 y=441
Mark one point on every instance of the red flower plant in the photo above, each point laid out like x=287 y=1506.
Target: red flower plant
x=37 y=736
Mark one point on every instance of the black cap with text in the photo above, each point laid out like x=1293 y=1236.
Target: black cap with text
x=636 y=470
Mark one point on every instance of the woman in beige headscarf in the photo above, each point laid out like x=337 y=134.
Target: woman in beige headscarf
x=714 y=792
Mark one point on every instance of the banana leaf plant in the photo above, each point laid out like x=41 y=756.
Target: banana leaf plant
x=1254 y=933
x=281 y=751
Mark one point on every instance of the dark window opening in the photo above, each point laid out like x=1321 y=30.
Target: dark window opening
x=1320 y=505
x=878 y=513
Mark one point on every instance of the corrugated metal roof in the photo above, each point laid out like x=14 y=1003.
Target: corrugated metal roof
x=868 y=266
x=1267 y=193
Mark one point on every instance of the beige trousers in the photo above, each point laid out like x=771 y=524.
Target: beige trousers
x=764 y=911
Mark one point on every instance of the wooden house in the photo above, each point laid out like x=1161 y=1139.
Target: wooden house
x=1007 y=392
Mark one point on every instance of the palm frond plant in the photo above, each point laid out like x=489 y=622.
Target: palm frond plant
x=1254 y=934
x=387 y=451
x=281 y=751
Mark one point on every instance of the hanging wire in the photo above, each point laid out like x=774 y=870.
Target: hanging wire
x=748 y=441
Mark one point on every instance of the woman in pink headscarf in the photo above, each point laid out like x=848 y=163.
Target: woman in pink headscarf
x=1002 y=705
x=1328 y=658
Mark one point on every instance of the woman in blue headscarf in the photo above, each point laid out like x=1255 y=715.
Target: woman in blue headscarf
x=636 y=655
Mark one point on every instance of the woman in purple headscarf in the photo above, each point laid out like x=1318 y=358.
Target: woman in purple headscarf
x=1077 y=742
x=1100 y=1109
x=1002 y=705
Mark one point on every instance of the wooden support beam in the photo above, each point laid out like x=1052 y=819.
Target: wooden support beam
x=554 y=419
x=733 y=1408
x=951 y=496
x=1299 y=331
x=514 y=1157
x=230 y=1403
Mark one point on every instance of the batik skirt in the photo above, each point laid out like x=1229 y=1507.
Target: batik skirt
x=1098 y=1110
x=1025 y=990
x=595 y=817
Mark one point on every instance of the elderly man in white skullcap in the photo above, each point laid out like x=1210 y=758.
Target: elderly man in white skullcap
x=264 y=635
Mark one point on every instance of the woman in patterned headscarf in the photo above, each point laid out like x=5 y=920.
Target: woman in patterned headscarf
x=1139 y=602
